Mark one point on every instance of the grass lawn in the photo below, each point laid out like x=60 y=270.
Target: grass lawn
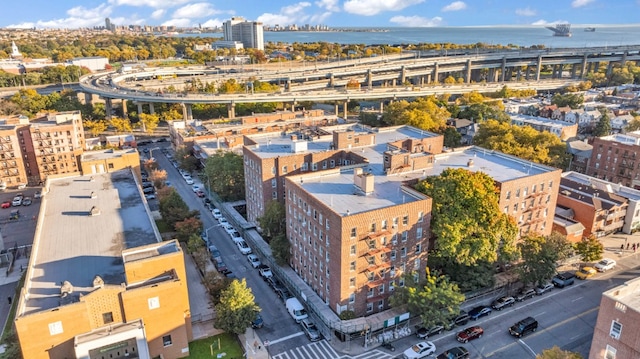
x=201 y=349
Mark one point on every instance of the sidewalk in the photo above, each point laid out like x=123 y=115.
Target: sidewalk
x=252 y=344
x=19 y=267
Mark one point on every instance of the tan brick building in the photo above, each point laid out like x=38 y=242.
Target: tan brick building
x=617 y=330
x=100 y=282
x=102 y=161
x=616 y=159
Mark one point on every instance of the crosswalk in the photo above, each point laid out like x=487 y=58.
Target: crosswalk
x=322 y=350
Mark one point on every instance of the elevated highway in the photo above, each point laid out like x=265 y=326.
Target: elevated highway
x=407 y=75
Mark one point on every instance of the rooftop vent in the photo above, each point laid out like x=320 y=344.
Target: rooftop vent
x=93 y=195
x=94 y=211
x=98 y=282
x=470 y=163
x=66 y=289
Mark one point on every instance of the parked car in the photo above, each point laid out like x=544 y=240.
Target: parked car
x=543 y=288
x=147 y=184
x=220 y=266
x=17 y=201
x=188 y=180
x=454 y=353
x=470 y=333
x=258 y=322
x=216 y=213
x=585 y=272
x=525 y=293
x=150 y=196
x=254 y=260
x=149 y=190
x=424 y=333
x=244 y=247
x=15 y=214
x=195 y=188
x=200 y=194
x=458 y=320
x=503 y=302
x=420 y=350
x=562 y=280
x=223 y=220
x=265 y=271
x=215 y=253
x=235 y=236
x=479 y=312
x=37 y=195
x=310 y=330
x=26 y=201
x=605 y=264
x=6 y=204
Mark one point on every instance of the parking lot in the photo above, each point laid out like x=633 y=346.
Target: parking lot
x=19 y=231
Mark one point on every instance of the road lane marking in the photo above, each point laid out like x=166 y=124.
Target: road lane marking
x=540 y=313
x=527 y=347
x=286 y=338
x=576 y=299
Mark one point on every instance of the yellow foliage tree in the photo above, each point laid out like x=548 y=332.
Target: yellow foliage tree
x=120 y=124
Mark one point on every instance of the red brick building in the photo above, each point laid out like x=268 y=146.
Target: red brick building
x=616 y=159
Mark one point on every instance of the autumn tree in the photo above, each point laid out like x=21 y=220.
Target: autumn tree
x=556 y=353
x=479 y=112
x=590 y=249
x=452 y=137
x=95 y=127
x=237 y=308
x=425 y=113
x=435 y=299
x=148 y=122
x=524 y=142
x=467 y=223
x=158 y=177
x=185 y=159
x=225 y=172
x=29 y=101
x=120 y=124
x=188 y=227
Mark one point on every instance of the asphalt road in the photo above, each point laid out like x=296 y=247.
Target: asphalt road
x=278 y=324
x=19 y=232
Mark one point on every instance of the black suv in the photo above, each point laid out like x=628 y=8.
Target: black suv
x=459 y=320
x=562 y=280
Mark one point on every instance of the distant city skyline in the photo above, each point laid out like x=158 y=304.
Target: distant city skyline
x=334 y=13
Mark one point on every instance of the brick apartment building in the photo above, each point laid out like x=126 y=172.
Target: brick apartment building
x=101 y=283
x=32 y=150
x=616 y=159
x=617 y=330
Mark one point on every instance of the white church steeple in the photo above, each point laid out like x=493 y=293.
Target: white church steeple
x=15 y=53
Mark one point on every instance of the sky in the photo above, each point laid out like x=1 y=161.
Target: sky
x=333 y=13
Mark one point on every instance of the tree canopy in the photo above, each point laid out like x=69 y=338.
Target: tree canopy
x=540 y=256
x=273 y=220
x=479 y=112
x=225 y=173
x=573 y=100
x=590 y=249
x=425 y=113
x=237 y=308
x=467 y=222
x=603 y=127
x=556 y=353
x=524 y=142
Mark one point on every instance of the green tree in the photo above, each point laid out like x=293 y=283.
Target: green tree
x=479 y=112
x=603 y=127
x=236 y=309
x=173 y=208
x=572 y=100
x=452 y=137
x=280 y=248
x=29 y=101
x=590 y=249
x=225 y=173
x=539 y=258
x=273 y=220
x=435 y=299
x=557 y=353
x=194 y=244
x=634 y=125
x=467 y=223
x=188 y=227
x=524 y=142
x=468 y=277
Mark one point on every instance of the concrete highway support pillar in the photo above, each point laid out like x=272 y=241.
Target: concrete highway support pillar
x=403 y=75
x=624 y=58
x=337 y=109
x=467 y=77
x=554 y=72
x=344 y=107
x=140 y=109
x=152 y=110
x=231 y=110
x=518 y=73
x=393 y=82
x=609 y=68
x=597 y=67
x=435 y=73
x=428 y=78
x=574 y=70
x=369 y=78
x=124 y=107
x=583 y=68
x=331 y=80
x=108 y=107
x=526 y=75
x=88 y=98
x=503 y=69
x=288 y=85
x=381 y=106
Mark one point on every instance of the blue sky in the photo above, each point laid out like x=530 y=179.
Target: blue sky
x=335 y=13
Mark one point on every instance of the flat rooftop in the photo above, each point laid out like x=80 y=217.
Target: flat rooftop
x=72 y=246
x=541 y=121
x=105 y=154
x=624 y=191
x=629 y=138
x=336 y=188
x=627 y=294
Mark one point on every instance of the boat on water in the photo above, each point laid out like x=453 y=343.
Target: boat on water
x=590 y=29
x=563 y=30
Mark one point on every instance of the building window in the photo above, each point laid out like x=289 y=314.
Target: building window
x=107 y=318
x=416 y=264
x=395 y=222
x=111 y=166
x=353 y=250
x=284 y=169
x=153 y=303
x=274 y=183
x=372 y=229
x=381 y=289
x=405 y=220
x=383 y=225
x=314 y=167
x=508 y=194
x=418 y=248
x=420 y=217
x=369 y=307
x=324 y=165
x=354 y=232
x=166 y=340
x=616 y=330
x=405 y=235
x=55 y=328
x=352 y=298
x=621 y=307
x=393 y=255
x=371 y=260
x=352 y=281
x=419 y=233
x=403 y=252
x=274 y=195
x=352 y=266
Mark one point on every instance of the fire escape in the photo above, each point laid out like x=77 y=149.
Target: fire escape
x=374 y=262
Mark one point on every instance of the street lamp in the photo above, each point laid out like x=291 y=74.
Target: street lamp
x=151 y=152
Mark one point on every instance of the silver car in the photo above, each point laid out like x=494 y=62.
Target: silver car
x=310 y=330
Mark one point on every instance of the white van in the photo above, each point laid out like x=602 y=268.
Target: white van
x=296 y=310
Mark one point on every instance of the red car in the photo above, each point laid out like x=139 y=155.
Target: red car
x=470 y=334
x=6 y=204
x=200 y=194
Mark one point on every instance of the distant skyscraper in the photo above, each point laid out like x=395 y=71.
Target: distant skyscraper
x=247 y=32
x=108 y=25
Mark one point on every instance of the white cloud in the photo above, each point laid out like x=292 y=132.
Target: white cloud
x=158 y=13
x=416 y=21
x=455 y=6
x=150 y=3
x=178 y=22
x=545 y=22
x=580 y=3
x=331 y=5
x=373 y=7
x=292 y=14
x=79 y=16
x=526 y=12
x=197 y=10
x=213 y=23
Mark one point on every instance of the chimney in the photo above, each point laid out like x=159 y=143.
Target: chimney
x=363 y=181
x=470 y=163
